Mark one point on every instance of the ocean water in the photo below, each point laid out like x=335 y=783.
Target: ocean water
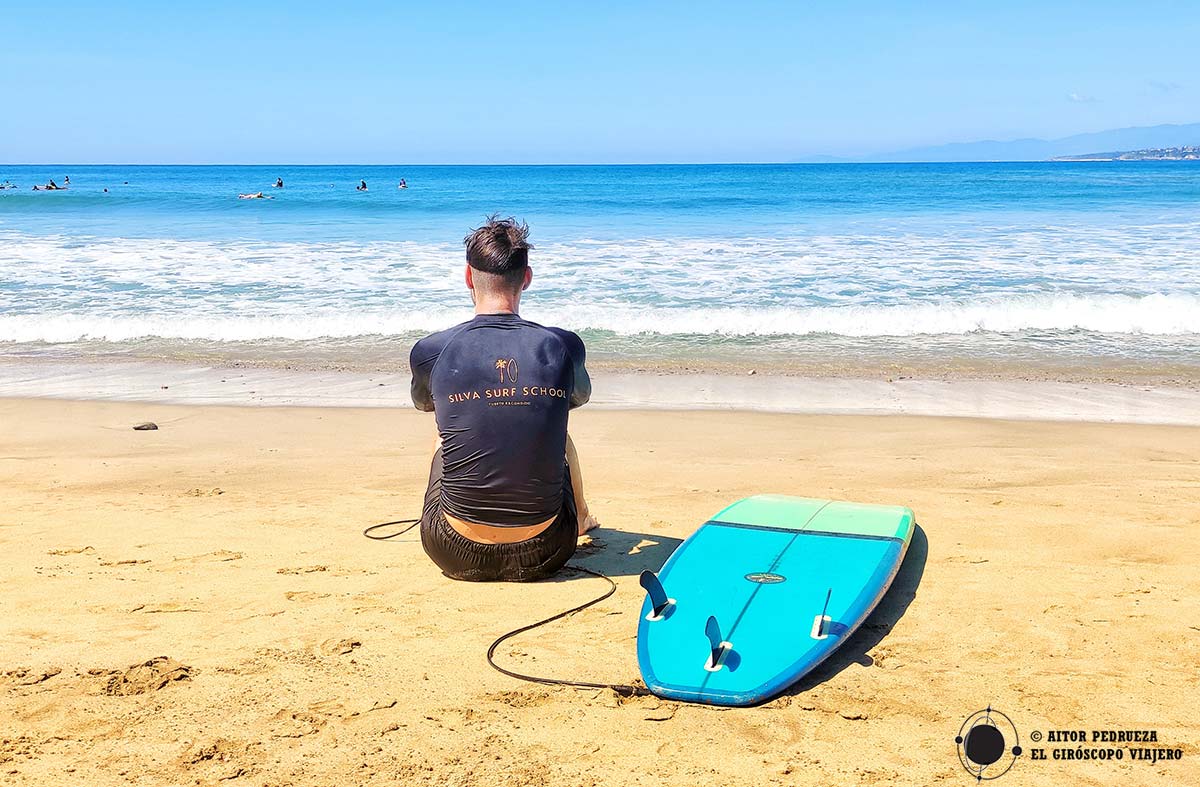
x=1059 y=270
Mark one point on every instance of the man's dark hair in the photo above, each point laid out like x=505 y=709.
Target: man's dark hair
x=500 y=247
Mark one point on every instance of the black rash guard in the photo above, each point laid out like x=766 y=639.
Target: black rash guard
x=500 y=388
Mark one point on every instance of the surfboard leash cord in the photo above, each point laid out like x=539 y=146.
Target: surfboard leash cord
x=370 y=531
x=622 y=689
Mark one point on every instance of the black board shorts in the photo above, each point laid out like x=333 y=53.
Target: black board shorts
x=524 y=561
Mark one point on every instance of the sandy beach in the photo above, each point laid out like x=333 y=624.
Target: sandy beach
x=1053 y=578
x=896 y=335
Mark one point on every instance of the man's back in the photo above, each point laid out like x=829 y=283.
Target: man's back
x=500 y=388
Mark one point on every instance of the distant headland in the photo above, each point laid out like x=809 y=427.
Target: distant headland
x=1180 y=153
x=1137 y=143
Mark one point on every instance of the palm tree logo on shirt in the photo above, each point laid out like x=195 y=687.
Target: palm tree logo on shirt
x=507 y=368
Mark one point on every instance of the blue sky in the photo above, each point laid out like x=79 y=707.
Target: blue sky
x=536 y=82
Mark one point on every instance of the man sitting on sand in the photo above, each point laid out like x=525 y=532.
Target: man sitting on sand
x=505 y=496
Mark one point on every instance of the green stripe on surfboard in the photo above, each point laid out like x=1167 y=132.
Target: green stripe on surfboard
x=771 y=511
x=806 y=513
x=861 y=519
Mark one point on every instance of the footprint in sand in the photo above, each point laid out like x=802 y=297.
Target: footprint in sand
x=301 y=570
x=224 y=759
x=304 y=595
x=169 y=606
x=73 y=551
x=330 y=707
x=220 y=556
x=522 y=699
x=297 y=724
x=24 y=676
x=214 y=492
x=144 y=678
x=339 y=647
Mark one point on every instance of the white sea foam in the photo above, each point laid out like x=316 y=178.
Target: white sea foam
x=1160 y=315
x=1114 y=280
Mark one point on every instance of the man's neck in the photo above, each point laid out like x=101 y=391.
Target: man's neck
x=496 y=305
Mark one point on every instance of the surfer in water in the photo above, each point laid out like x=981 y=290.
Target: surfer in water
x=278 y=183
x=362 y=186
x=505 y=496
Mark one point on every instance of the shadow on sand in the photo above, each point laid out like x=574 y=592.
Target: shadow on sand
x=616 y=553
x=879 y=623
x=619 y=553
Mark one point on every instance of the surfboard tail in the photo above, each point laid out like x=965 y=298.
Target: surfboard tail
x=659 y=603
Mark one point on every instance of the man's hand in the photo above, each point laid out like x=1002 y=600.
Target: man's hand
x=586 y=523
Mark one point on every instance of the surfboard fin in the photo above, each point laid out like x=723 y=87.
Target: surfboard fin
x=820 y=627
x=659 y=602
x=720 y=648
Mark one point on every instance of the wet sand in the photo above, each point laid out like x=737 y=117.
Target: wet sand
x=666 y=388
x=1053 y=578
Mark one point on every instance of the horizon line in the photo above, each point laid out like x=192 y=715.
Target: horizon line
x=835 y=162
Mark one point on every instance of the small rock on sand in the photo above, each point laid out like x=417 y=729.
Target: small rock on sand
x=148 y=426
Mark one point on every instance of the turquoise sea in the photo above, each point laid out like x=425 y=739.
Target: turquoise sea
x=1070 y=270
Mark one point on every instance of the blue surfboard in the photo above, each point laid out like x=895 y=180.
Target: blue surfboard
x=764 y=592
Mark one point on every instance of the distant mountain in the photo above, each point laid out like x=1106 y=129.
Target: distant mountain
x=1125 y=139
x=1185 y=153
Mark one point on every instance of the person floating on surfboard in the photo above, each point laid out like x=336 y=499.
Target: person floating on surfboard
x=505 y=496
x=278 y=183
x=362 y=186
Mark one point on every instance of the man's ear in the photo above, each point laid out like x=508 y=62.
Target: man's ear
x=528 y=278
x=470 y=281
